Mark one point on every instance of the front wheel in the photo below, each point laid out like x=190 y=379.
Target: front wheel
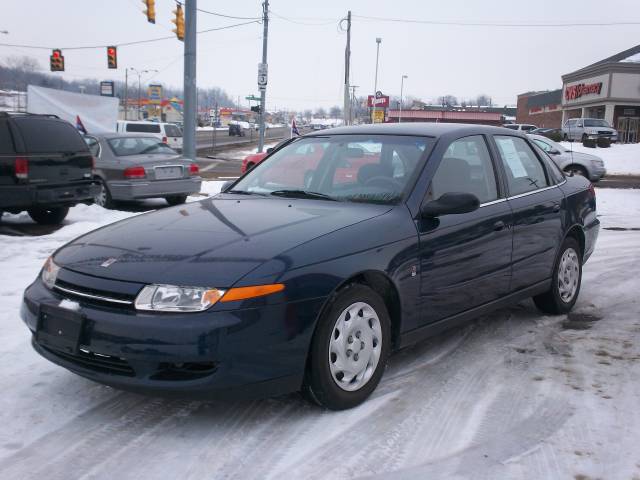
x=349 y=349
x=176 y=199
x=576 y=170
x=48 y=216
x=566 y=281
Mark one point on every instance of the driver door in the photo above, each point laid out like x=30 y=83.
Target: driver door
x=465 y=259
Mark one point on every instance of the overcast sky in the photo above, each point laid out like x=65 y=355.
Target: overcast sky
x=306 y=59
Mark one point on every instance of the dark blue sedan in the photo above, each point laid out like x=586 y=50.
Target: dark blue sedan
x=307 y=272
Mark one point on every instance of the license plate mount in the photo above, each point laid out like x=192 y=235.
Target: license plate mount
x=59 y=328
x=168 y=173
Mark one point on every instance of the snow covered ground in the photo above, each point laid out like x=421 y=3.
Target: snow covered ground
x=514 y=395
x=619 y=159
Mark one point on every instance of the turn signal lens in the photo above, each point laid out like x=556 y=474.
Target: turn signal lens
x=170 y=298
x=243 y=293
x=194 y=169
x=49 y=273
x=22 y=168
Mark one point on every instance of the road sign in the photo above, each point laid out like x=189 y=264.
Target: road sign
x=262 y=76
x=252 y=97
x=106 y=89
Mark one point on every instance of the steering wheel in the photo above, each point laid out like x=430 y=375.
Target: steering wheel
x=384 y=182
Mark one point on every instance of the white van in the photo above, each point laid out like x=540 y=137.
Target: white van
x=167 y=132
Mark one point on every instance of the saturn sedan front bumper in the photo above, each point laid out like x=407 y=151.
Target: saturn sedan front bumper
x=252 y=352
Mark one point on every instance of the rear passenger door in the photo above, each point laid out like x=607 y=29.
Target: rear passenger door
x=536 y=202
x=465 y=259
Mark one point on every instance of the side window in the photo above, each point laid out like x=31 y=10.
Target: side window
x=94 y=146
x=511 y=127
x=143 y=128
x=465 y=167
x=525 y=172
x=6 y=140
x=543 y=145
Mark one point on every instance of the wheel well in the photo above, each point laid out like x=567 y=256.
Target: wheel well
x=567 y=167
x=383 y=286
x=577 y=233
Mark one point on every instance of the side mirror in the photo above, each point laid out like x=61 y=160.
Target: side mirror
x=553 y=151
x=450 y=203
x=270 y=149
x=226 y=185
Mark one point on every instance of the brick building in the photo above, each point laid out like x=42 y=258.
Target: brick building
x=543 y=109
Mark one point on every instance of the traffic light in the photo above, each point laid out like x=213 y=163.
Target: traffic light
x=112 y=57
x=56 y=61
x=150 y=12
x=255 y=108
x=179 y=21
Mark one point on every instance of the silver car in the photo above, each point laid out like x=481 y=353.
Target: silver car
x=573 y=163
x=581 y=129
x=137 y=166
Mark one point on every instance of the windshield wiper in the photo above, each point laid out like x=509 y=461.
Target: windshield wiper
x=302 y=194
x=243 y=192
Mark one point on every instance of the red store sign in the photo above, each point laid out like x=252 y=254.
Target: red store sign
x=381 y=101
x=576 y=91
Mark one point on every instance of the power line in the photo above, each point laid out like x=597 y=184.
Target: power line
x=291 y=20
x=124 y=44
x=228 y=16
x=495 y=24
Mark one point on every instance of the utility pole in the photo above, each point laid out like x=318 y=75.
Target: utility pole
x=262 y=72
x=401 y=87
x=126 y=92
x=375 y=84
x=347 y=63
x=190 y=98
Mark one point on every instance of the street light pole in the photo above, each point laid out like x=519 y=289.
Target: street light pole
x=375 y=83
x=401 y=87
x=263 y=88
x=190 y=91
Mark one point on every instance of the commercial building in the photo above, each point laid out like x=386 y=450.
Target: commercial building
x=608 y=89
x=543 y=109
x=454 y=114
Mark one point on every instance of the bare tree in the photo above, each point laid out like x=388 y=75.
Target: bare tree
x=335 y=112
x=483 y=100
x=320 y=113
x=448 y=101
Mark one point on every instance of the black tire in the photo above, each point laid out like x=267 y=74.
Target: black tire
x=176 y=199
x=551 y=301
x=319 y=385
x=48 y=216
x=576 y=170
x=250 y=165
x=103 y=198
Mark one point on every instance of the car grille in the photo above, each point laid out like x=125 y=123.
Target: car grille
x=94 y=296
x=95 y=362
x=604 y=132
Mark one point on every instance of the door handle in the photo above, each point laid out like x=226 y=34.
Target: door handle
x=556 y=207
x=499 y=225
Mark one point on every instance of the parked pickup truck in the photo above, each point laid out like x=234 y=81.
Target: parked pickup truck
x=45 y=167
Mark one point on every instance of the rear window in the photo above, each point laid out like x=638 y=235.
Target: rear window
x=143 y=127
x=511 y=127
x=6 y=140
x=172 y=131
x=43 y=135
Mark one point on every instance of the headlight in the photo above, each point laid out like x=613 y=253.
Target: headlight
x=169 y=298
x=49 y=273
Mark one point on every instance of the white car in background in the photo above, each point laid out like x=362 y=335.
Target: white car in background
x=521 y=127
x=168 y=133
x=572 y=163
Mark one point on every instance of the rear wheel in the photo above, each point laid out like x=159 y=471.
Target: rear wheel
x=566 y=280
x=176 y=199
x=48 y=216
x=349 y=349
x=103 y=197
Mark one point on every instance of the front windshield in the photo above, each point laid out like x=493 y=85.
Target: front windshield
x=596 y=123
x=357 y=168
x=125 y=146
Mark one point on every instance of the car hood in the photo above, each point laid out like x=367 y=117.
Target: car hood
x=213 y=242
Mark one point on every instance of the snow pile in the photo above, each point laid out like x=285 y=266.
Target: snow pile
x=619 y=159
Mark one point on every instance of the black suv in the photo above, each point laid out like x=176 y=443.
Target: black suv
x=45 y=167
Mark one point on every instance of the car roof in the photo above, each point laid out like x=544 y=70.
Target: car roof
x=415 y=128
x=108 y=135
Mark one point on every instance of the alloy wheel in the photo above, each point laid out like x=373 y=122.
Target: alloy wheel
x=568 y=275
